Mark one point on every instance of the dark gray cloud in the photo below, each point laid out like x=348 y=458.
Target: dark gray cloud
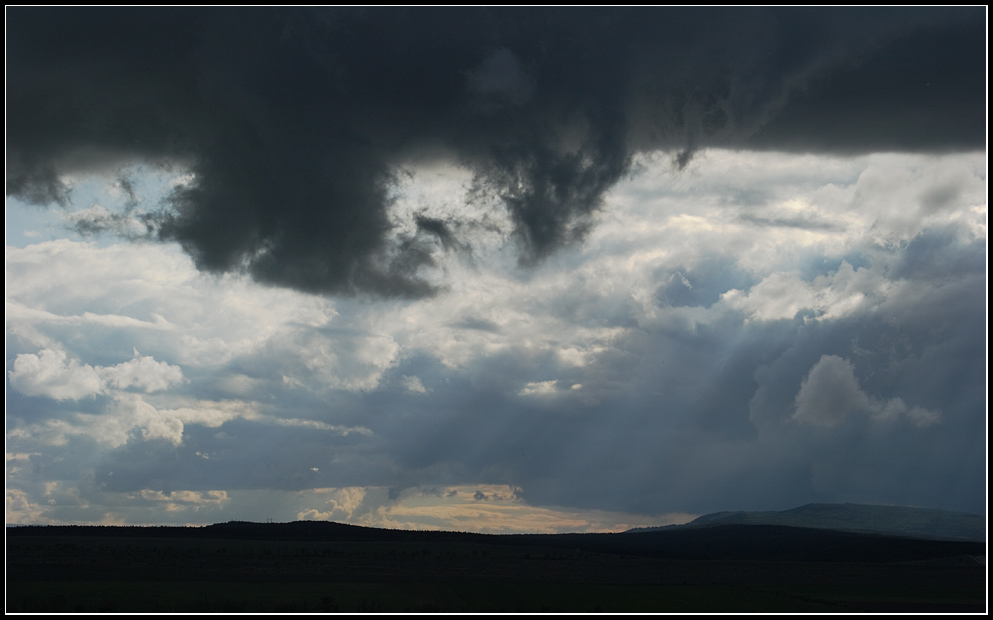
x=938 y=254
x=795 y=222
x=243 y=456
x=297 y=122
x=477 y=323
x=926 y=70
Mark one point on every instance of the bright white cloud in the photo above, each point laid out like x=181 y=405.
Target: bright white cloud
x=323 y=426
x=211 y=413
x=154 y=294
x=339 y=505
x=841 y=293
x=184 y=501
x=350 y=360
x=413 y=384
x=540 y=388
x=53 y=374
x=143 y=372
x=128 y=413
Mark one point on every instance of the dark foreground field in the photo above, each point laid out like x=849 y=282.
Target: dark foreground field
x=325 y=567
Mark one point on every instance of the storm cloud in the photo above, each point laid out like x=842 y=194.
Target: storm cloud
x=493 y=269
x=296 y=127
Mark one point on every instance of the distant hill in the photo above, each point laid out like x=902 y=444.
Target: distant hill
x=317 y=566
x=865 y=518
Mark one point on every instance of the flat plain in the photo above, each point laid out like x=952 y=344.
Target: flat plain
x=309 y=568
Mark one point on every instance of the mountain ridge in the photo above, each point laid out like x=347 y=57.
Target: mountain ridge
x=904 y=521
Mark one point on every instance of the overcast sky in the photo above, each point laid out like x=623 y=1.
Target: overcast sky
x=493 y=270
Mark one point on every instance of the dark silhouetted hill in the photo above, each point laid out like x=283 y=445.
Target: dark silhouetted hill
x=708 y=542
x=864 y=518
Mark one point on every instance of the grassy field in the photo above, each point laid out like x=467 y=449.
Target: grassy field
x=185 y=596
x=60 y=573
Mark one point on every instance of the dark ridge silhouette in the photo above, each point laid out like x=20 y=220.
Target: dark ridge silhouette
x=312 y=566
x=712 y=542
x=866 y=518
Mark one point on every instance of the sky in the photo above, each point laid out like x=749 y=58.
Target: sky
x=493 y=270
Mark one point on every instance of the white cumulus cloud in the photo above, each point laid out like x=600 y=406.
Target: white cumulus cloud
x=54 y=374
x=51 y=373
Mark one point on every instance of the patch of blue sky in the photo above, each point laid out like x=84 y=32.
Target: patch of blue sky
x=96 y=199
x=28 y=224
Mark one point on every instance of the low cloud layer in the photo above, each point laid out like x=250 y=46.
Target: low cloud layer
x=295 y=129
